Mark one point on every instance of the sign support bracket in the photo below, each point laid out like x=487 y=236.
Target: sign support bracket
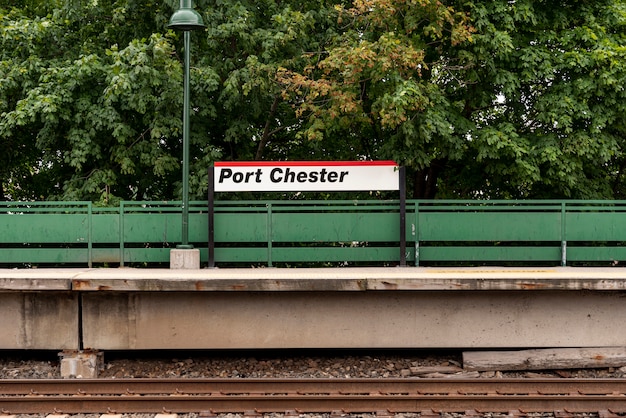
x=402 y=188
x=211 y=198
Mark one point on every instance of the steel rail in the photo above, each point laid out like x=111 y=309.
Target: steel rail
x=311 y=395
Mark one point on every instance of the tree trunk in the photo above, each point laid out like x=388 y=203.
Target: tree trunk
x=425 y=180
x=267 y=134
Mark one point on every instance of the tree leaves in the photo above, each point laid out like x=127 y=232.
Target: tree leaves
x=478 y=99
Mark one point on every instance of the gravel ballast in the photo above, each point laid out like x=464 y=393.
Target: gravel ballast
x=23 y=365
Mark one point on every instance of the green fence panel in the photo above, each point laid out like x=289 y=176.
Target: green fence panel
x=336 y=254
x=491 y=254
x=596 y=226
x=198 y=228
x=240 y=227
x=147 y=255
x=34 y=233
x=33 y=256
x=609 y=254
x=152 y=227
x=241 y=255
x=106 y=255
x=44 y=228
x=161 y=227
x=131 y=255
x=105 y=228
x=489 y=226
x=335 y=227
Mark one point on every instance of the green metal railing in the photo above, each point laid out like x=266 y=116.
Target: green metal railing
x=443 y=232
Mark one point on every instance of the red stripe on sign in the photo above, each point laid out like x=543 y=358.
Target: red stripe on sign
x=301 y=163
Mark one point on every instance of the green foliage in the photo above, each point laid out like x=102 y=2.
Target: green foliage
x=546 y=100
x=97 y=106
x=487 y=99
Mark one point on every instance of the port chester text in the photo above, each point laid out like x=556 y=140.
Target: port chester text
x=282 y=175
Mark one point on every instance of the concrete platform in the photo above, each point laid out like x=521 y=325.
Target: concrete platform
x=37 y=279
x=126 y=309
x=348 y=279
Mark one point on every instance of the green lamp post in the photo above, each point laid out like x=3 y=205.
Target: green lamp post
x=186 y=19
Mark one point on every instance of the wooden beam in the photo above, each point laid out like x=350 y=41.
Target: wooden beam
x=545 y=359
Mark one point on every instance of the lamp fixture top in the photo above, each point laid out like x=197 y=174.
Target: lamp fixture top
x=186 y=18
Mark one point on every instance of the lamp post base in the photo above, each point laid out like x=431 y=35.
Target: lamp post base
x=184 y=258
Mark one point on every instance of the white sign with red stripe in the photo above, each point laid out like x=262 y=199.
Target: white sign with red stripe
x=239 y=176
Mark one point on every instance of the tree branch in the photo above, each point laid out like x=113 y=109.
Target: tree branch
x=267 y=134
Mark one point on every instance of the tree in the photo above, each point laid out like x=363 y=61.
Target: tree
x=378 y=81
x=488 y=99
x=498 y=98
x=97 y=93
x=545 y=93
x=95 y=117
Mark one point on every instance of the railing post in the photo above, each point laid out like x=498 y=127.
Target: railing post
x=563 y=237
x=416 y=232
x=89 y=234
x=402 y=187
x=211 y=215
x=269 y=234
x=121 y=221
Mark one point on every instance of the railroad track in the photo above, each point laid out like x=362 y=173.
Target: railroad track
x=212 y=396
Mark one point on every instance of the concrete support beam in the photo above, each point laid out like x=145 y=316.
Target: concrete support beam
x=389 y=319
x=39 y=320
x=126 y=309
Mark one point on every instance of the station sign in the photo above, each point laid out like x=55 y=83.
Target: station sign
x=240 y=176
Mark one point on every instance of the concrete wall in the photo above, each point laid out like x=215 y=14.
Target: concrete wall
x=126 y=309
x=390 y=319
